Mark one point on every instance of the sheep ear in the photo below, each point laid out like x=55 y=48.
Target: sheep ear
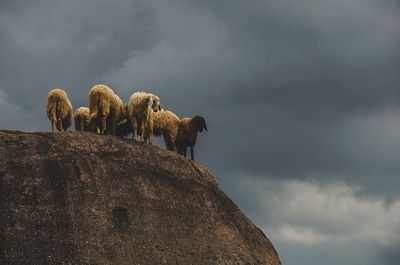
x=150 y=101
x=205 y=126
x=159 y=107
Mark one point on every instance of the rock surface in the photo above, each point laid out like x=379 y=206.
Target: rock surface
x=81 y=198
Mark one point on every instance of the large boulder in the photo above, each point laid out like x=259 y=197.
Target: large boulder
x=82 y=198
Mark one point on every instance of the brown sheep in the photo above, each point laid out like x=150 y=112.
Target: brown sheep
x=189 y=129
x=59 y=109
x=140 y=110
x=106 y=109
x=82 y=120
x=166 y=123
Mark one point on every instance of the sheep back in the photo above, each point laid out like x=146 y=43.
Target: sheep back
x=59 y=109
x=166 y=123
x=82 y=120
x=103 y=102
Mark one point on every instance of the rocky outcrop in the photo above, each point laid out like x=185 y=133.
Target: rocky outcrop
x=82 y=198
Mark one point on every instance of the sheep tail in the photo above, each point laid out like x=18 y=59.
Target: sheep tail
x=93 y=105
x=96 y=108
x=58 y=110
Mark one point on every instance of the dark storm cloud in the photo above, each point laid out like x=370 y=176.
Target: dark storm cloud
x=302 y=76
x=305 y=90
x=69 y=45
x=390 y=255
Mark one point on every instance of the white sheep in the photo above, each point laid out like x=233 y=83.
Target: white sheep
x=140 y=110
x=166 y=123
x=82 y=120
x=59 y=109
x=189 y=129
x=106 y=109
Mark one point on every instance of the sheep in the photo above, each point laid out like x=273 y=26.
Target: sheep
x=59 y=109
x=105 y=108
x=189 y=129
x=123 y=126
x=140 y=110
x=166 y=123
x=82 y=120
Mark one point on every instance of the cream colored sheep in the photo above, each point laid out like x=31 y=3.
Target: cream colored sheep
x=140 y=110
x=166 y=123
x=106 y=108
x=82 y=120
x=189 y=129
x=59 y=109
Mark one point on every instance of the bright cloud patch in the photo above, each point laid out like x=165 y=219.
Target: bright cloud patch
x=310 y=213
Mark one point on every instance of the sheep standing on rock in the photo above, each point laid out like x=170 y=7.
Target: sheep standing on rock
x=82 y=120
x=106 y=108
x=124 y=126
x=140 y=110
x=166 y=123
x=59 y=109
x=189 y=129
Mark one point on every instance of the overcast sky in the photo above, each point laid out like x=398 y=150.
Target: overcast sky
x=301 y=98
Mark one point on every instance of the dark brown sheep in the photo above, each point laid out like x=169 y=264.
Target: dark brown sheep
x=189 y=129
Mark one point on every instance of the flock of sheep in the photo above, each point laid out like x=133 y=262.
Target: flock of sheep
x=142 y=116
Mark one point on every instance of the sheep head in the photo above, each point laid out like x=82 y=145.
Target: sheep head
x=154 y=103
x=199 y=123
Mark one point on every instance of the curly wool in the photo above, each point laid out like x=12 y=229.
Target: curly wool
x=105 y=107
x=141 y=107
x=82 y=120
x=166 y=124
x=59 y=109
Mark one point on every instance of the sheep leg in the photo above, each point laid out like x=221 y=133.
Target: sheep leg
x=52 y=126
x=151 y=137
x=184 y=151
x=59 y=126
x=65 y=125
x=104 y=123
x=191 y=153
x=113 y=124
x=142 y=136
x=168 y=142
x=134 y=128
x=98 y=124
x=146 y=136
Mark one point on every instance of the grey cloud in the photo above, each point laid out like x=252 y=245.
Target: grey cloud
x=390 y=255
x=360 y=254
x=318 y=222
x=68 y=45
